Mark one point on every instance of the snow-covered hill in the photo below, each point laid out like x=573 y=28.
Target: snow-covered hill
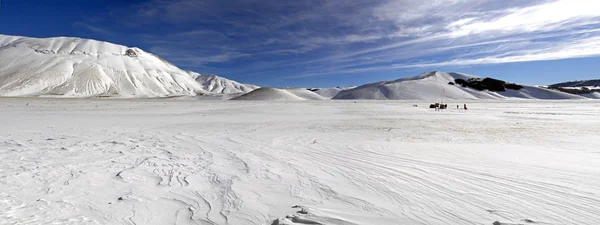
x=219 y=85
x=276 y=94
x=435 y=85
x=579 y=83
x=75 y=67
x=592 y=95
x=585 y=88
x=329 y=92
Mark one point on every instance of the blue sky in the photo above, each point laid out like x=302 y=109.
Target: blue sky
x=336 y=42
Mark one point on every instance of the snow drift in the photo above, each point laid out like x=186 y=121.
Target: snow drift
x=219 y=85
x=435 y=85
x=77 y=67
x=275 y=94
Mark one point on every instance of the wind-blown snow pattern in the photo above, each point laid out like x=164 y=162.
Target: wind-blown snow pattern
x=219 y=85
x=276 y=94
x=164 y=161
x=435 y=86
x=74 y=67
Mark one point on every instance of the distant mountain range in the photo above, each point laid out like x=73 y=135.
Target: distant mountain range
x=75 y=67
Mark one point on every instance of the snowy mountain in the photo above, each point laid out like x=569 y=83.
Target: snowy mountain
x=435 y=85
x=283 y=94
x=75 y=67
x=219 y=85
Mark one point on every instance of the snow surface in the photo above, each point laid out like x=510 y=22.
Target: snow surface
x=74 y=67
x=277 y=94
x=153 y=161
x=434 y=86
x=219 y=85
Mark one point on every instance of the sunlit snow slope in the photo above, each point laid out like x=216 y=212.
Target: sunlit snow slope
x=75 y=67
x=434 y=85
x=220 y=85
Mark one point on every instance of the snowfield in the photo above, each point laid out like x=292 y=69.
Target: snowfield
x=160 y=161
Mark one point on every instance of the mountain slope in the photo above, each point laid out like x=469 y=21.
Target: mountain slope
x=75 y=67
x=435 y=85
x=219 y=85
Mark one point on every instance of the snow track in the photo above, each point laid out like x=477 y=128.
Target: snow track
x=77 y=161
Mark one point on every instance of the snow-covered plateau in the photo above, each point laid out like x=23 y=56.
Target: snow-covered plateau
x=166 y=161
